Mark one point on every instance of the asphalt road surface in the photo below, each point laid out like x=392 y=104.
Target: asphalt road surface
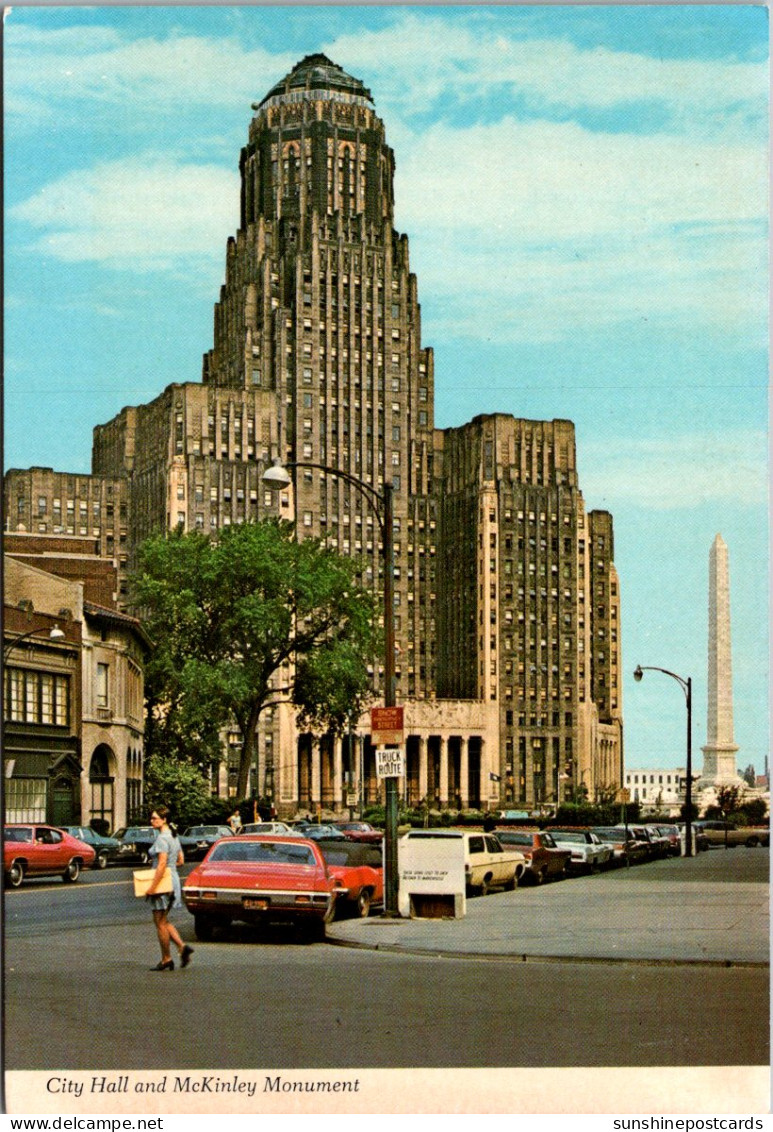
x=79 y=995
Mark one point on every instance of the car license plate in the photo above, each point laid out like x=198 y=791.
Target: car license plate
x=256 y=903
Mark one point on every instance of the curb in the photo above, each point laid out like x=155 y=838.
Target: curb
x=398 y=949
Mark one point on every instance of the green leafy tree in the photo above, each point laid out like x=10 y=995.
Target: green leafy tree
x=755 y=811
x=750 y=776
x=246 y=620
x=729 y=798
x=179 y=785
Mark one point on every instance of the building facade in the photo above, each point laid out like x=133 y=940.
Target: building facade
x=73 y=704
x=507 y=605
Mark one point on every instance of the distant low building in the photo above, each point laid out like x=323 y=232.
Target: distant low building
x=658 y=788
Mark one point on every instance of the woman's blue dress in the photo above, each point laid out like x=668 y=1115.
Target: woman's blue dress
x=169 y=844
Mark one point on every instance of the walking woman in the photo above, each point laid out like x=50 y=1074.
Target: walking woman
x=168 y=852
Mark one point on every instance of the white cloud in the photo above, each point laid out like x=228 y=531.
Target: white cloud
x=521 y=229
x=142 y=213
x=48 y=71
x=526 y=230
x=676 y=473
x=420 y=60
x=471 y=59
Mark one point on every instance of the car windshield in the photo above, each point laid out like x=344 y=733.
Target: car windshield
x=515 y=838
x=263 y=852
x=562 y=835
x=610 y=834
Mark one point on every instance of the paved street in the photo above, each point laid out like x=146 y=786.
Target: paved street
x=269 y=1001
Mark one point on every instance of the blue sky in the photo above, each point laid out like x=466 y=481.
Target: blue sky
x=584 y=189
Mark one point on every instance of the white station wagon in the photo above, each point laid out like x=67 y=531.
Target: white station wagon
x=487 y=863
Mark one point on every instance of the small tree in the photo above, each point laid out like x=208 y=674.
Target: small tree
x=729 y=798
x=179 y=785
x=755 y=811
x=246 y=620
x=750 y=776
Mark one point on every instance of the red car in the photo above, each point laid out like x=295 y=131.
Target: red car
x=261 y=880
x=543 y=857
x=359 y=868
x=43 y=851
x=360 y=831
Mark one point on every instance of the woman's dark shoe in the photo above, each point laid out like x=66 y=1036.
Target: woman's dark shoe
x=167 y=965
x=185 y=955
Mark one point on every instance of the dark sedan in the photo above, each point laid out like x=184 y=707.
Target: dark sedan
x=627 y=848
x=135 y=842
x=198 y=839
x=323 y=833
x=106 y=848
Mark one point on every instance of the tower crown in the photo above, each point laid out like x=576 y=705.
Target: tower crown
x=319 y=78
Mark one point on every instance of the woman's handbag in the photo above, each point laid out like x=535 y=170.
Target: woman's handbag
x=143 y=879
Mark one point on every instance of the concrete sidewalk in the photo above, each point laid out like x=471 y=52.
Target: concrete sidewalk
x=713 y=909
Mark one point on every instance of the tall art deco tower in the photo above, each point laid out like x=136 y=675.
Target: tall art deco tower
x=507 y=605
x=320 y=310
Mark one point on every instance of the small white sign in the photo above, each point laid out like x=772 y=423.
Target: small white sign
x=390 y=763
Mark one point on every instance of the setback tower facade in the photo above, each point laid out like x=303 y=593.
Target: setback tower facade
x=506 y=605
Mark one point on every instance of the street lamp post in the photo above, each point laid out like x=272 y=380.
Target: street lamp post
x=686 y=685
x=383 y=506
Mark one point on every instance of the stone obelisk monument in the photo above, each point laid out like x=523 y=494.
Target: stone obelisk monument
x=719 y=754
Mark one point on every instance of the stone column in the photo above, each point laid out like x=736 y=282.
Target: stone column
x=464 y=771
x=719 y=754
x=443 y=787
x=422 y=766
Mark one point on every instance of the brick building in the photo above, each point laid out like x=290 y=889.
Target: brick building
x=507 y=607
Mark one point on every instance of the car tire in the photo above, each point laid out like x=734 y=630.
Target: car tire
x=511 y=884
x=15 y=874
x=484 y=886
x=101 y=860
x=752 y=843
x=72 y=872
x=204 y=926
x=144 y=857
x=540 y=874
x=363 y=903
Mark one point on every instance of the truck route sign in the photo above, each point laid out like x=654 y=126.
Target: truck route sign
x=390 y=764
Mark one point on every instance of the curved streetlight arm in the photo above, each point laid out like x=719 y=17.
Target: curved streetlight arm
x=55 y=634
x=375 y=498
x=685 y=684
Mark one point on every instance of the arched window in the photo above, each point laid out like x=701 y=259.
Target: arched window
x=101 y=785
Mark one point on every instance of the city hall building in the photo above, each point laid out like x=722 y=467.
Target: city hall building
x=507 y=603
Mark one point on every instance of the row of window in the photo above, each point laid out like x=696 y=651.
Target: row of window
x=37 y=697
